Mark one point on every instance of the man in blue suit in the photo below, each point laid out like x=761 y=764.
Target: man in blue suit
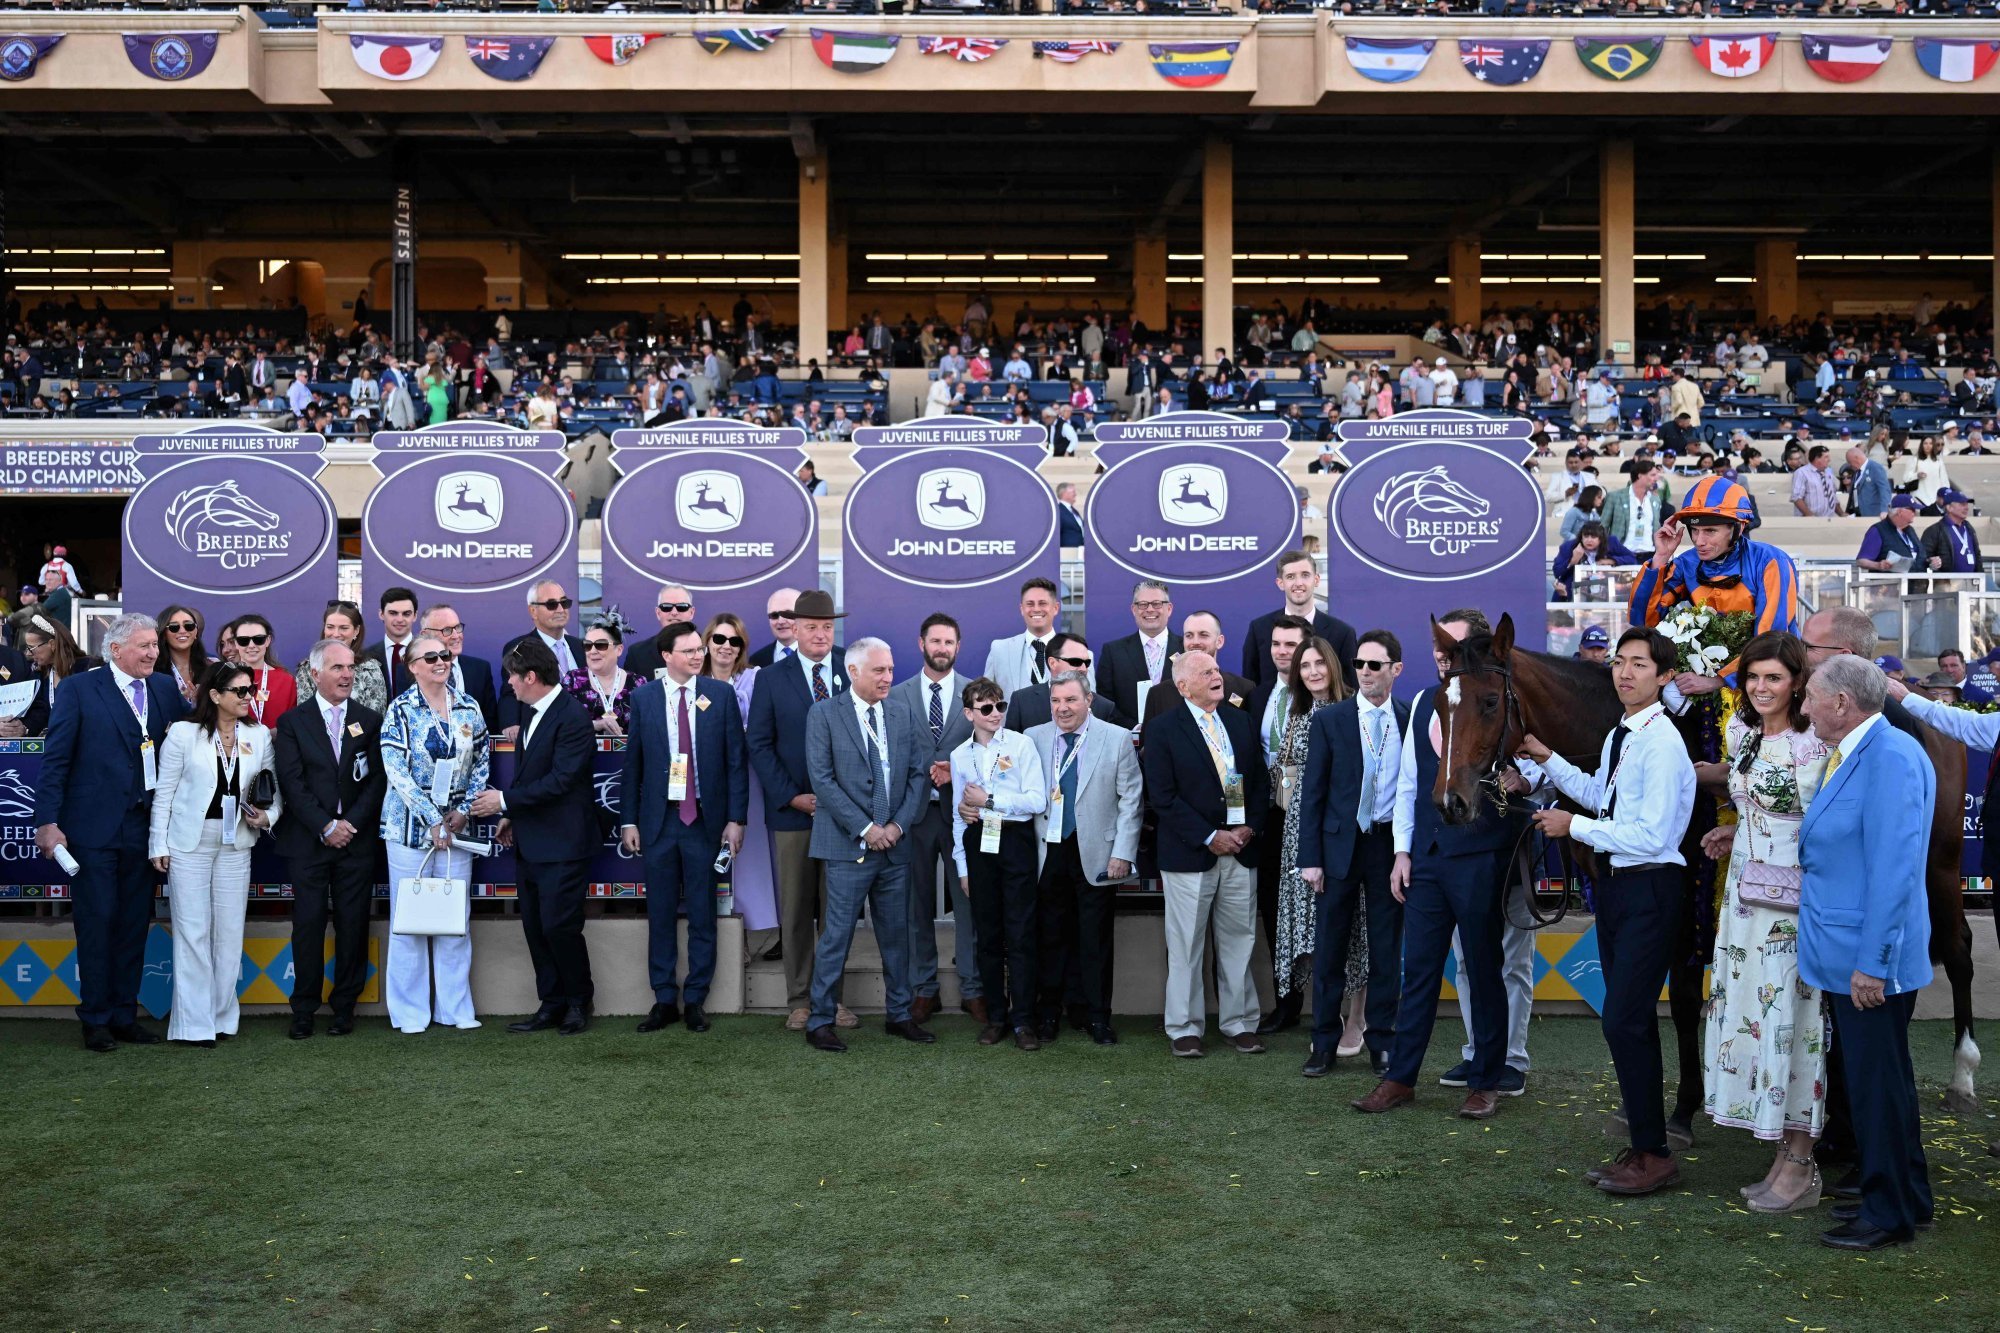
x=100 y=763
x=686 y=795
x=785 y=692
x=1864 y=937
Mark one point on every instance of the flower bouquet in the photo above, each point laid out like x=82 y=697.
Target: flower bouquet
x=1705 y=639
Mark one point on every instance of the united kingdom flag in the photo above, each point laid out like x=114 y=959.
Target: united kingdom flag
x=510 y=59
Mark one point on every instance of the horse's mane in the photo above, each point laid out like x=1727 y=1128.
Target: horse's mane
x=1588 y=682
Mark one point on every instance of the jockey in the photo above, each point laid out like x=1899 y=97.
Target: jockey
x=1726 y=570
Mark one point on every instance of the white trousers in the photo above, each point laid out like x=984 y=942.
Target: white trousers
x=208 y=893
x=1226 y=894
x=418 y=961
x=1517 y=969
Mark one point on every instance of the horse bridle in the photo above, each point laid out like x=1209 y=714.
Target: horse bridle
x=1511 y=713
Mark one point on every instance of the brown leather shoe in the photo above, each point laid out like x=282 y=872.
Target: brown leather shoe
x=1025 y=1038
x=922 y=1007
x=796 y=1020
x=1480 y=1104
x=991 y=1034
x=843 y=1017
x=1386 y=1096
x=976 y=1006
x=1640 y=1173
x=1246 y=1043
x=1188 y=1048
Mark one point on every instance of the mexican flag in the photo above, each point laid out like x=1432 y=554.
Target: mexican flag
x=853 y=52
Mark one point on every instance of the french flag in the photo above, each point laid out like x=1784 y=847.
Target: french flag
x=1954 y=60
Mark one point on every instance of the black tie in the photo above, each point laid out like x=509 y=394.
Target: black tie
x=879 y=758
x=1618 y=735
x=937 y=712
x=1041 y=661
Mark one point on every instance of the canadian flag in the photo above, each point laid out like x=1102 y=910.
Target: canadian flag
x=397 y=58
x=1735 y=57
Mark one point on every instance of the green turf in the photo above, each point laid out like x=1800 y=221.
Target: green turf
x=737 y=1180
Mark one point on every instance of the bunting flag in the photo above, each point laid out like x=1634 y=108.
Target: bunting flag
x=1503 y=63
x=397 y=58
x=1388 y=61
x=20 y=53
x=1736 y=57
x=717 y=40
x=1193 y=64
x=853 y=52
x=1619 y=58
x=1954 y=60
x=509 y=59
x=971 y=50
x=1845 y=59
x=1068 y=53
x=618 y=48
x=171 y=56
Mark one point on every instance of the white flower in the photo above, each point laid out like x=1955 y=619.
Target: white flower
x=1715 y=656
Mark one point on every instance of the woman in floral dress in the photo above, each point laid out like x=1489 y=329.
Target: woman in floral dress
x=1314 y=683
x=1764 y=1051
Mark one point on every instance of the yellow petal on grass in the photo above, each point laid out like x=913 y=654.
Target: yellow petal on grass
x=640 y=1290
x=735 y=1261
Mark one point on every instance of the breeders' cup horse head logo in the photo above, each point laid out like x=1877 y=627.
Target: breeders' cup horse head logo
x=1431 y=491
x=17 y=798
x=221 y=504
x=950 y=498
x=709 y=501
x=1194 y=494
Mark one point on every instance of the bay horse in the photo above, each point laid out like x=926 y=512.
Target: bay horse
x=1496 y=693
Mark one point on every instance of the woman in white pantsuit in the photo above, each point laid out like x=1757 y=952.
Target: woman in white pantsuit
x=202 y=831
x=434 y=751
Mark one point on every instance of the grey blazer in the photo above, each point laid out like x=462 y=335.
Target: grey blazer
x=1109 y=797
x=915 y=695
x=844 y=781
x=1011 y=662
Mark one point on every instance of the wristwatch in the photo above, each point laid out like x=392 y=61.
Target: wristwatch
x=989 y=800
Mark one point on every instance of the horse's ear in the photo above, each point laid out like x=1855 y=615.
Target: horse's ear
x=1503 y=638
x=1445 y=643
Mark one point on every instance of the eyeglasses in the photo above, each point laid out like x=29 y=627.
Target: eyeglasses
x=431 y=657
x=181 y=627
x=1080 y=663
x=1367 y=664
x=1150 y=606
x=240 y=691
x=442 y=630
x=725 y=640
x=251 y=640
x=554 y=604
x=989 y=708
x=781 y=615
x=598 y=645
x=682 y=607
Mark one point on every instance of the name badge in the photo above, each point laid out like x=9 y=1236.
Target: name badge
x=989 y=831
x=150 y=762
x=354 y=729
x=229 y=817
x=441 y=777
x=1232 y=796
x=701 y=703
x=677 y=779
x=1054 y=834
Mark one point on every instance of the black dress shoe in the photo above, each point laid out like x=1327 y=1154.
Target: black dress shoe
x=1286 y=1016
x=302 y=1027
x=574 y=1021
x=1320 y=1064
x=544 y=1017
x=824 y=1038
x=776 y=953
x=697 y=1020
x=1103 y=1034
x=341 y=1026
x=1848 y=1186
x=1858 y=1235
x=659 y=1016
x=909 y=1031
x=225 y=1036
x=206 y=1043
x=1851 y=1212
x=99 y=1039
x=134 y=1035
x=1048 y=1029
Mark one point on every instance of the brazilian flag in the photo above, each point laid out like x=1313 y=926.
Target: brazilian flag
x=1619 y=58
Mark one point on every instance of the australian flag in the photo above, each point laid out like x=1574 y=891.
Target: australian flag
x=508 y=58
x=1502 y=63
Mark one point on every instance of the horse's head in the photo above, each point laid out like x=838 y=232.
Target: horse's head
x=222 y=505
x=1475 y=714
x=1442 y=494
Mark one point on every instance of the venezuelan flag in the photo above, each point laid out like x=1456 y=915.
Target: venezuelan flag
x=1193 y=64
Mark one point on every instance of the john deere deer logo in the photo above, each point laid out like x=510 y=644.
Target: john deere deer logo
x=951 y=498
x=709 y=501
x=469 y=502
x=1194 y=495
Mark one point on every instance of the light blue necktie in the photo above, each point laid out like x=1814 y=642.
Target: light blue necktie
x=1365 y=817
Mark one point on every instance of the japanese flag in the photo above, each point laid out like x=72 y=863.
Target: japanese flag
x=396 y=58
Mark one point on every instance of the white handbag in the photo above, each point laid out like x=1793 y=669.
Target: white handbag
x=429 y=905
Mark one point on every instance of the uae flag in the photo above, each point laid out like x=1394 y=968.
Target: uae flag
x=396 y=58
x=1845 y=59
x=1735 y=57
x=853 y=52
x=618 y=48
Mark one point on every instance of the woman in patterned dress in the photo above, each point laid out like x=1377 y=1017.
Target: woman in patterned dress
x=603 y=687
x=343 y=622
x=1764 y=1052
x=1314 y=683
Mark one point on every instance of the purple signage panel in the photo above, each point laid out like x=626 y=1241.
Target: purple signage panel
x=74 y=466
x=949 y=515
x=229 y=519
x=472 y=515
x=716 y=507
x=1436 y=511
x=1199 y=501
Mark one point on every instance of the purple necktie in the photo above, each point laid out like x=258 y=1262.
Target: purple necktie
x=139 y=702
x=688 y=809
x=333 y=730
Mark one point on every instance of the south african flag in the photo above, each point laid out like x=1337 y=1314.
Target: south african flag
x=718 y=40
x=1619 y=58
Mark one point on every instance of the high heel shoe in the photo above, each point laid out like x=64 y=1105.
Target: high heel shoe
x=1770 y=1201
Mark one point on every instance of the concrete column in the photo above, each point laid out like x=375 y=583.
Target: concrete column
x=1149 y=281
x=1777 y=279
x=190 y=276
x=1218 y=245
x=814 y=268
x=837 y=318
x=1463 y=261
x=1616 y=242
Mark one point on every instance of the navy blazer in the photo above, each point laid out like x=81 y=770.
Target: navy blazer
x=1257 y=664
x=1183 y=790
x=1330 y=786
x=478 y=673
x=92 y=775
x=552 y=801
x=722 y=767
x=313 y=783
x=779 y=702
x=510 y=709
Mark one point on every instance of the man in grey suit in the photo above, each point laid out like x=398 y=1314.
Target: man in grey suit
x=932 y=696
x=1085 y=857
x=869 y=778
x=1021 y=660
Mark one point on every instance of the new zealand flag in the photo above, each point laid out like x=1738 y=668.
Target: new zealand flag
x=508 y=58
x=1503 y=62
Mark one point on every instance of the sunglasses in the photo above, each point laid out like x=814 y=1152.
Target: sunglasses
x=781 y=615
x=1080 y=663
x=1369 y=664
x=554 y=604
x=682 y=607
x=989 y=708
x=598 y=645
x=725 y=640
x=181 y=627
x=431 y=657
x=251 y=640
x=240 y=691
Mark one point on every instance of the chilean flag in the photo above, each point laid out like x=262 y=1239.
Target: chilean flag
x=397 y=58
x=1956 y=61
x=1735 y=57
x=1845 y=59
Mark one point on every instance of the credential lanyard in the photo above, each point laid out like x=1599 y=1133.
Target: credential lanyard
x=1624 y=753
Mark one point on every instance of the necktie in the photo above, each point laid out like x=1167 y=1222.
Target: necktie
x=1068 y=782
x=1154 y=653
x=937 y=712
x=878 y=755
x=1618 y=736
x=333 y=730
x=1278 y=708
x=1366 y=815
x=819 y=685
x=563 y=655
x=1041 y=661
x=1213 y=732
x=687 y=748
x=1833 y=766
x=139 y=701
x=395 y=667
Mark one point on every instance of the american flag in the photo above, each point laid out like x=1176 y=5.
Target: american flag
x=970 y=50
x=1068 y=53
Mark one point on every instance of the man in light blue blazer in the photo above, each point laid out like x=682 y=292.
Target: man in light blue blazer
x=871 y=777
x=1864 y=937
